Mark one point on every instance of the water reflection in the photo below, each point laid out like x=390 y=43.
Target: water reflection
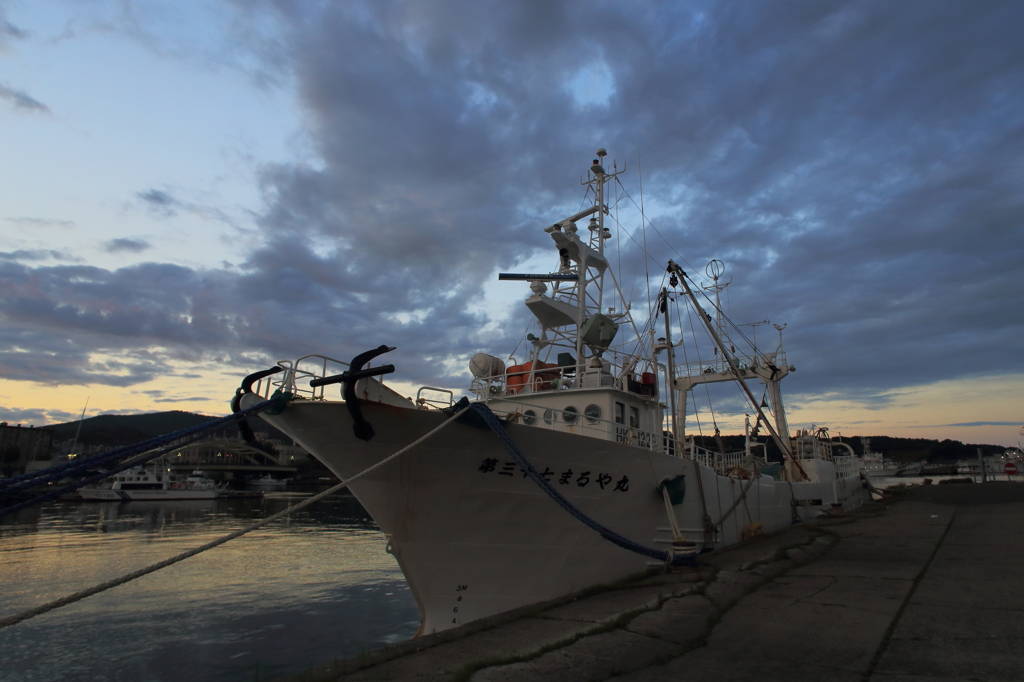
x=314 y=586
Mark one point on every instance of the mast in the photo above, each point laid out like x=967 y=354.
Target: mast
x=79 y=429
x=715 y=269
x=598 y=236
x=570 y=316
x=775 y=394
x=734 y=368
x=670 y=368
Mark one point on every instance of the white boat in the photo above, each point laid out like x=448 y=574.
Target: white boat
x=139 y=483
x=909 y=468
x=881 y=468
x=266 y=482
x=597 y=410
x=874 y=464
x=994 y=464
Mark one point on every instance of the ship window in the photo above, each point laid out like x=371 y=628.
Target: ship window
x=592 y=413
x=529 y=417
x=634 y=417
x=570 y=414
x=620 y=413
x=549 y=416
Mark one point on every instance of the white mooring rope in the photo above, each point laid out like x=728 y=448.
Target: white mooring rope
x=77 y=596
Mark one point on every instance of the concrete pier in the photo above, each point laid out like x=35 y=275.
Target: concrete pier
x=926 y=586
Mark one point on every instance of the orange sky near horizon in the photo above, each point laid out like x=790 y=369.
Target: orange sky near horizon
x=977 y=410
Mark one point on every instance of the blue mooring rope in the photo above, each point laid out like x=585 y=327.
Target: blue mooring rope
x=492 y=422
x=60 y=471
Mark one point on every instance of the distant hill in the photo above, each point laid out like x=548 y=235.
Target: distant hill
x=125 y=429
x=116 y=430
x=923 y=449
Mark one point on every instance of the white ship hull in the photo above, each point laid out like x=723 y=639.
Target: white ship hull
x=475 y=537
x=910 y=469
x=881 y=471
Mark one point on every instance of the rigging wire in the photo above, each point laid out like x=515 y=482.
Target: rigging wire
x=648 y=327
x=620 y=195
x=623 y=230
x=618 y=242
x=667 y=242
x=511 y=356
x=586 y=194
x=632 y=322
x=707 y=391
x=643 y=220
x=726 y=318
x=686 y=363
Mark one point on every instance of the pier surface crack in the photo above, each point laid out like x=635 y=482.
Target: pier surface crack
x=884 y=644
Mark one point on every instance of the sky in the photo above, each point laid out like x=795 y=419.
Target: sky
x=192 y=191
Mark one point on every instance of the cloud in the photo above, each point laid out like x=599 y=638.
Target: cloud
x=160 y=396
x=33 y=416
x=40 y=222
x=190 y=399
x=167 y=205
x=14 y=416
x=9 y=31
x=31 y=255
x=22 y=101
x=125 y=245
x=982 y=424
x=239 y=36
x=856 y=166
x=159 y=201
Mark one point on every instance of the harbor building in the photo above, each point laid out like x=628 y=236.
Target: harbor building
x=20 y=445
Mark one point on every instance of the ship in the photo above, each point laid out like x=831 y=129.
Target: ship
x=993 y=464
x=580 y=468
x=874 y=464
x=149 y=484
x=877 y=466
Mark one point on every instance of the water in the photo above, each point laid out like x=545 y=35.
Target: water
x=310 y=588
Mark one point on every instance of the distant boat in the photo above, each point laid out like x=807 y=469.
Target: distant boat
x=912 y=469
x=874 y=464
x=994 y=464
x=265 y=482
x=140 y=483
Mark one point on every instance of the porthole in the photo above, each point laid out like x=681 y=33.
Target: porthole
x=592 y=413
x=529 y=417
x=549 y=416
x=570 y=414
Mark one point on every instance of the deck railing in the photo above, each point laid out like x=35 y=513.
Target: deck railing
x=296 y=376
x=808 y=447
x=730 y=462
x=720 y=462
x=847 y=466
x=719 y=365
